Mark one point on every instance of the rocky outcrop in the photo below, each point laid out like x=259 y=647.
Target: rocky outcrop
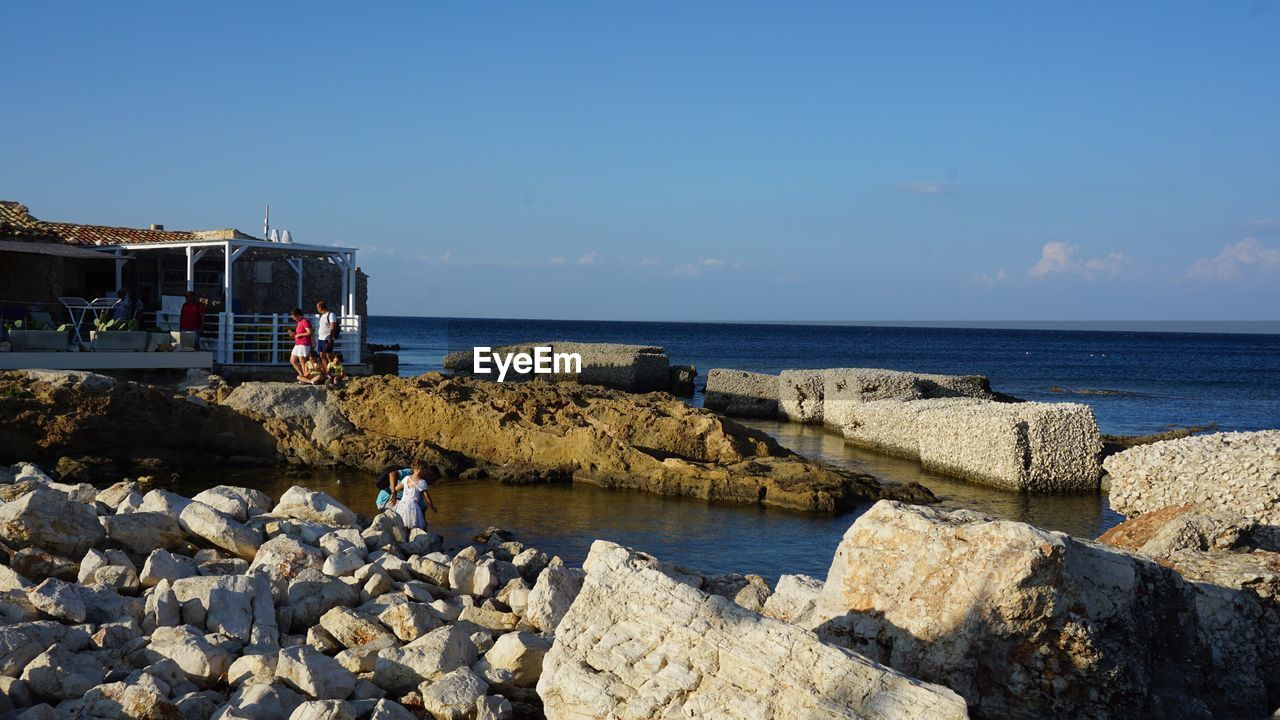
x=632 y=368
x=638 y=643
x=1233 y=565
x=1024 y=622
x=1239 y=472
x=738 y=393
x=539 y=432
x=125 y=424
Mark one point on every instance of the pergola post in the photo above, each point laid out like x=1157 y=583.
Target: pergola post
x=227 y=261
x=351 y=284
x=120 y=261
x=296 y=264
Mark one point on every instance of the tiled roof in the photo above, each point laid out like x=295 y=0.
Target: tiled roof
x=16 y=222
x=76 y=234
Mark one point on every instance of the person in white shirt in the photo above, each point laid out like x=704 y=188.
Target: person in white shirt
x=326 y=332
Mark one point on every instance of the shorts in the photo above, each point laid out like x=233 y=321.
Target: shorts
x=301 y=351
x=325 y=345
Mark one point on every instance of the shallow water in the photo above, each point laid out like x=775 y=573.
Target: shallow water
x=712 y=537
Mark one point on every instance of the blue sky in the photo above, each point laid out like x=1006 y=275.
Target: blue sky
x=685 y=161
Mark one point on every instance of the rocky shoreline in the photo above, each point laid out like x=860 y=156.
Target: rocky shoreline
x=516 y=433
x=133 y=603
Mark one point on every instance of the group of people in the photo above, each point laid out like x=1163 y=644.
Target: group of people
x=405 y=492
x=321 y=366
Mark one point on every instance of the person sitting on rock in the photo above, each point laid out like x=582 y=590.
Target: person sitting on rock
x=335 y=374
x=311 y=373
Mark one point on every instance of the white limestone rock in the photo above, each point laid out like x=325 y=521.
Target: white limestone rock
x=283 y=558
x=324 y=710
x=552 y=595
x=303 y=504
x=239 y=606
x=318 y=676
x=48 y=520
x=220 y=529
x=521 y=653
x=399 y=670
x=961 y=599
x=202 y=662
x=353 y=629
x=454 y=695
x=58 y=600
x=793 y=600
x=164 y=565
x=638 y=643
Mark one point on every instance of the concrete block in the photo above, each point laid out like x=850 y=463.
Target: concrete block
x=1031 y=447
x=738 y=393
x=893 y=427
x=1237 y=471
x=800 y=396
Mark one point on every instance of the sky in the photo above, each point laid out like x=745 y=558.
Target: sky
x=684 y=161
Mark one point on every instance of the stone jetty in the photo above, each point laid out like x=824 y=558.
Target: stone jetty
x=633 y=368
x=512 y=432
x=953 y=424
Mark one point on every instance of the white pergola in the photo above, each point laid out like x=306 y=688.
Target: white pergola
x=343 y=258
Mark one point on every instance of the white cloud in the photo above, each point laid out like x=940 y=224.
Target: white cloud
x=445 y=258
x=557 y=260
x=1060 y=257
x=591 y=258
x=651 y=262
x=1249 y=257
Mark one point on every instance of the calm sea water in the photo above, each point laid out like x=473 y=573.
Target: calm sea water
x=1165 y=378
x=1160 y=378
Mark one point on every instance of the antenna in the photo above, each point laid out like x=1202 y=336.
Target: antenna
x=266 y=222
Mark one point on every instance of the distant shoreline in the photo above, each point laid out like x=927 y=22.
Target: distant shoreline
x=1180 y=327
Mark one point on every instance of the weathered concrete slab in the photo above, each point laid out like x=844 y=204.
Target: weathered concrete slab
x=1230 y=471
x=738 y=393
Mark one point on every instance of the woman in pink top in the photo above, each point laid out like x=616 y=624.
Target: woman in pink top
x=301 y=341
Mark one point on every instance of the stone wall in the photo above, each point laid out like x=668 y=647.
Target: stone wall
x=738 y=393
x=31 y=278
x=1238 y=471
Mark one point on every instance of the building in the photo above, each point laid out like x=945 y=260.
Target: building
x=248 y=285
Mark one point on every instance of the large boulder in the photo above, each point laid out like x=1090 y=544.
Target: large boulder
x=303 y=504
x=202 y=662
x=640 y=643
x=239 y=606
x=1018 y=620
x=238 y=502
x=283 y=558
x=1230 y=471
x=800 y=396
x=521 y=653
x=143 y=532
x=63 y=674
x=59 y=600
x=220 y=529
x=430 y=657
x=552 y=595
x=48 y=520
x=312 y=593
x=317 y=675
x=454 y=696
x=306 y=407
x=20 y=643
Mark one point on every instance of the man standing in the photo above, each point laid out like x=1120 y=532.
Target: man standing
x=192 y=317
x=326 y=333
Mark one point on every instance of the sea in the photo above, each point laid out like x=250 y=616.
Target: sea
x=1138 y=381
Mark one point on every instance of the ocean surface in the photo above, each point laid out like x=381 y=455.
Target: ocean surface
x=1156 y=380
x=1151 y=380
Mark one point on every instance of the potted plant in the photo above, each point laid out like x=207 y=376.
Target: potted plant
x=28 y=336
x=117 y=336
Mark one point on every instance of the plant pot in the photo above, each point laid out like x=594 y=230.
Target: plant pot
x=176 y=339
x=118 y=340
x=38 y=340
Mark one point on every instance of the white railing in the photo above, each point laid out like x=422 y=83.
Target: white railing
x=263 y=339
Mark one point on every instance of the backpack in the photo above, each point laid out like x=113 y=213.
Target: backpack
x=335 y=326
